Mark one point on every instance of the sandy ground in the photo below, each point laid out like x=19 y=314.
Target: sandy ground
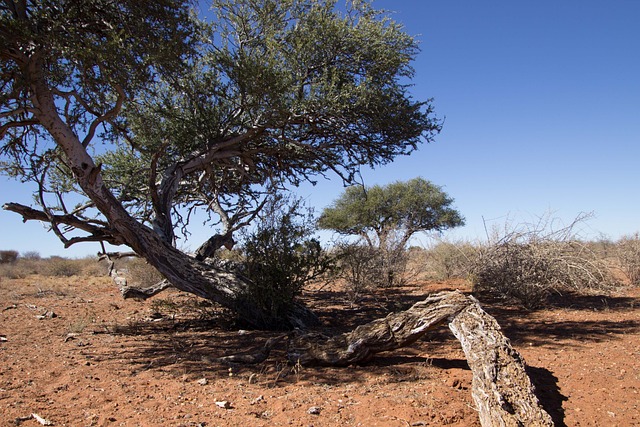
x=76 y=354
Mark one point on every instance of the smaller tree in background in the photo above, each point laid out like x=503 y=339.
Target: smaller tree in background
x=386 y=217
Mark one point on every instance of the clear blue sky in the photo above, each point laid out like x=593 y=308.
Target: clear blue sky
x=542 y=108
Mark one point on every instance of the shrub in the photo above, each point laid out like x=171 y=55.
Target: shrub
x=628 y=255
x=280 y=257
x=61 y=267
x=8 y=257
x=449 y=260
x=31 y=255
x=530 y=263
x=141 y=274
x=360 y=266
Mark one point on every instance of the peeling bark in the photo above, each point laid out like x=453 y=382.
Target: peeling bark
x=501 y=387
x=503 y=392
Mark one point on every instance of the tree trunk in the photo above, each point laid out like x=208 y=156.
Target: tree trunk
x=183 y=271
x=501 y=388
x=394 y=331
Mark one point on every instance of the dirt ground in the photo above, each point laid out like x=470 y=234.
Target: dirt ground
x=75 y=353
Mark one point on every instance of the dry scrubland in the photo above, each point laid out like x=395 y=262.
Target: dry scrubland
x=75 y=353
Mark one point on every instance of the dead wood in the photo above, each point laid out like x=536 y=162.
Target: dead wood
x=142 y=293
x=394 y=331
x=502 y=390
x=501 y=387
x=120 y=280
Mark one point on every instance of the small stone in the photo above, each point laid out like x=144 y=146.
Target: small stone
x=314 y=410
x=203 y=381
x=224 y=404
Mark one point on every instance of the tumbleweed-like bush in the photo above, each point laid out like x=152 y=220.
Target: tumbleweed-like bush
x=529 y=263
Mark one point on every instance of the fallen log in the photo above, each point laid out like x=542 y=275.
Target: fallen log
x=501 y=388
x=394 y=331
x=503 y=392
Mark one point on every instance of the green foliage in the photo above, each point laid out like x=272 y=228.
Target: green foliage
x=391 y=214
x=198 y=116
x=281 y=257
x=386 y=218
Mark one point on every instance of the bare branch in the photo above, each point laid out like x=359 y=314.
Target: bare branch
x=98 y=233
x=109 y=115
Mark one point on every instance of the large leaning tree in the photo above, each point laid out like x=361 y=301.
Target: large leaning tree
x=131 y=116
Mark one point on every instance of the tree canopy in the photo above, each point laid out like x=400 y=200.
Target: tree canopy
x=130 y=116
x=195 y=117
x=387 y=216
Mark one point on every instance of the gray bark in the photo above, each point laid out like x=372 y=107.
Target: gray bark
x=501 y=387
x=503 y=392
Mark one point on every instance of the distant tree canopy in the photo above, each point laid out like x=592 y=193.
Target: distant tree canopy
x=387 y=216
x=148 y=115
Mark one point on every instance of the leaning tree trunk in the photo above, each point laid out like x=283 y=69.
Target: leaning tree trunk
x=183 y=271
x=501 y=387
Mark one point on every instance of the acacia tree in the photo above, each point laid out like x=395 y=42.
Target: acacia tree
x=387 y=217
x=140 y=115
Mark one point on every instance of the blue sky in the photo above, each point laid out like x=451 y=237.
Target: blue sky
x=542 y=108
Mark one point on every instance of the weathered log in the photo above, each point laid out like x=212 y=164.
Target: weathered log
x=394 y=331
x=501 y=387
x=142 y=293
x=502 y=390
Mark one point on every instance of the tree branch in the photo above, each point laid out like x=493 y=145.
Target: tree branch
x=98 y=233
x=112 y=113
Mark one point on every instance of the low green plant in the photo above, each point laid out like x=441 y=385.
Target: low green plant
x=281 y=257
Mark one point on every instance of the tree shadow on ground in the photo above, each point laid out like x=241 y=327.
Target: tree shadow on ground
x=548 y=393
x=191 y=346
x=575 y=301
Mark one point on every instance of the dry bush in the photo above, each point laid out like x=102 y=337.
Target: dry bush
x=61 y=267
x=31 y=255
x=450 y=260
x=530 y=262
x=365 y=268
x=91 y=266
x=627 y=252
x=359 y=266
x=8 y=257
x=141 y=274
